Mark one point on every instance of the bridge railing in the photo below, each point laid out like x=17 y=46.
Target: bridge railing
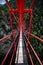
x=14 y=43
x=28 y=51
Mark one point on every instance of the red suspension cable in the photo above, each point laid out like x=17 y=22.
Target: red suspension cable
x=41 y=40
x=7 y=55
x=28 y=53
x=14 y=50
x=5 y=37
x=30 y=25
x=10 y=17
x=11 y=58
x=10 y=8
x=31 y=5
x=34 y=51
x=9 y=50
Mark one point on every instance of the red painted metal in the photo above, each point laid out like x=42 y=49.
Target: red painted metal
x=11 y=58
x=7 y=36
x=8 y=4
x=14 y=52
x=11 y=26
x=33 y=51
x=30 y=25
x=10 y=8
x=7 y=55
x=20 y=5
x=41 y=40
x=13 y=44
x=31 y=5
x=28 y=53
x=20 y=9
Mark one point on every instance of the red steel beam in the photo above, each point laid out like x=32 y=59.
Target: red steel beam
x=20 y=5
x=28 y=10
x=12 y=11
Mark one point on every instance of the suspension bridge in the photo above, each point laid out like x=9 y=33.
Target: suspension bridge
x=21 y=53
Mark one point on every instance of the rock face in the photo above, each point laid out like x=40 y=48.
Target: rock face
x=5 y=30
x=4 y=45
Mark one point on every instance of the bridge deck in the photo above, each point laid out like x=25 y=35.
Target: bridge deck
x=21 y=58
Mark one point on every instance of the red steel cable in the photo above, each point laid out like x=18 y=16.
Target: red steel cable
x=10 y=7
x=10 y=17
x=34 y=52
x=8 y=4
x=12 y=11
x=14 y=51
x=30 y=25
x=11 y=58
x=5 y=37
x=9 y=51
x=7 y=55
x=41 y=40
x=28 y=53
x=31 y=5
x=30 y=56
